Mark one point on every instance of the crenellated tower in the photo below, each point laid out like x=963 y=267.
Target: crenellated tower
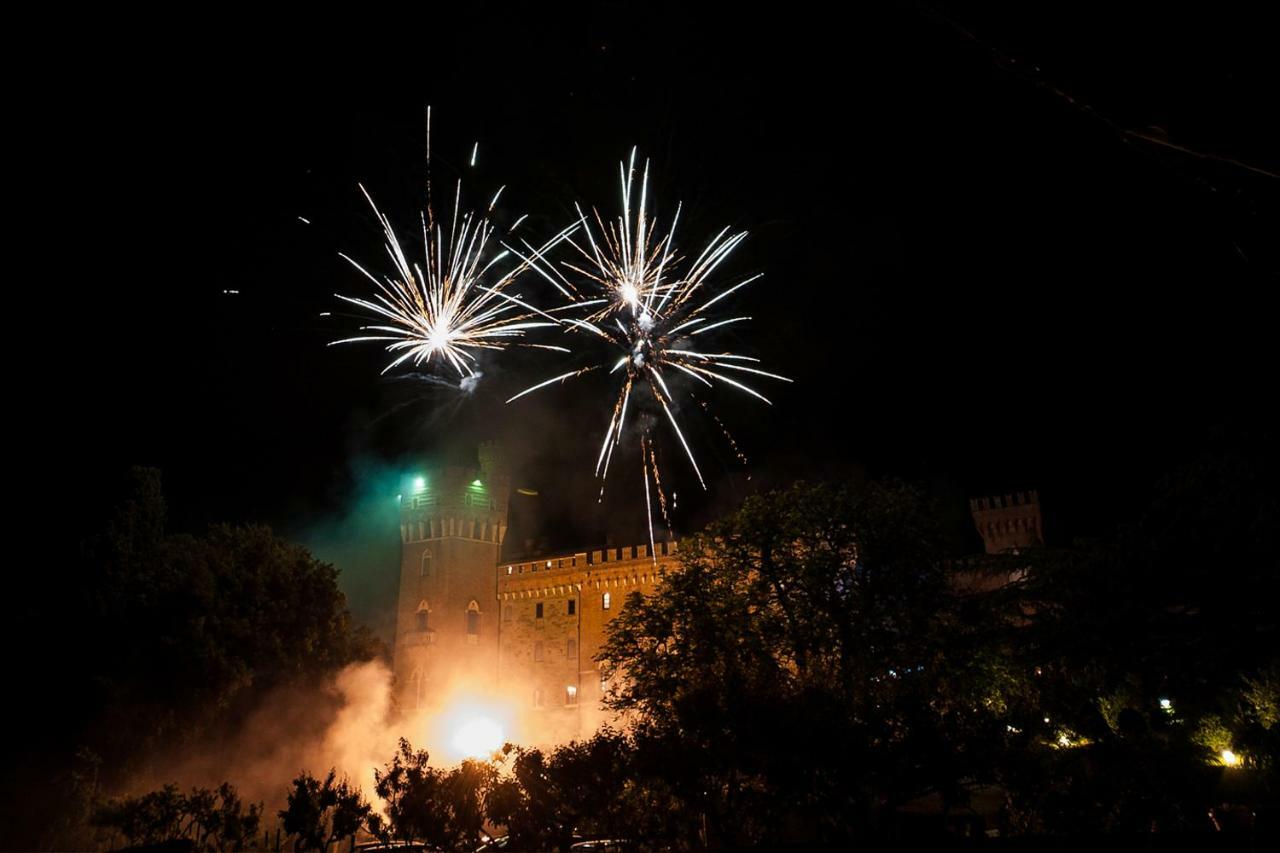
x=1008 y=522
x=452 y=522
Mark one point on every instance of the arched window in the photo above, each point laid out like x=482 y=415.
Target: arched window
x=423 y=615
x=427 y=559
x=473 y=622
x=606 y=601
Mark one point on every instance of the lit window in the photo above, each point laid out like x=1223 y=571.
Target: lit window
x=537 y=610
x=573 y=606
x=606 y=601
x=508 y=570
x=538 y=650
x=571 y=694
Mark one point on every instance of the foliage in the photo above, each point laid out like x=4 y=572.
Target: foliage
x=322 y=812
x=178 y=629
x=444 y=809
x=207 y=819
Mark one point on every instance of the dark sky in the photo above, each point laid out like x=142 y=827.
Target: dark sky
x=982 y=267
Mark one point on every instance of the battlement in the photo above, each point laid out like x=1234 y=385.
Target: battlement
x=1031 y=498
x=1008 y=522
x=581 y=559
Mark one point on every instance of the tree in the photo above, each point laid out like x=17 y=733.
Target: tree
x=322 y=812
x=205 y=819
x=177 y=633
x=444 y=809
x=812 y=604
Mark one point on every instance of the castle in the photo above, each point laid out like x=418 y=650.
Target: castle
x=534 y=627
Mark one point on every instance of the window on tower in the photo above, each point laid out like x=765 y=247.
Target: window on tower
x=423 y=616
x=538 y=650
x=426 y=563
x=571 y=649
x=473 y=623
x=573 y=606
x=606 y=601
x=537 y=610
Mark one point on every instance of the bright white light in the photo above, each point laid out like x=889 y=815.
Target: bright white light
x=1230 y=759
x=477 y=737
x=1166 y=704
x=420 y=484
x=629 y=294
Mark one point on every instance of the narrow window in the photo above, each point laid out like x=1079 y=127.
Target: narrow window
x=537 y=610
x=423 y=616
x=473 y=623
x=426 y=562
x=573 y=606
x=538 y=650
x=537 y=698
x=606 y=601
x=571 y=649
x=506 y=613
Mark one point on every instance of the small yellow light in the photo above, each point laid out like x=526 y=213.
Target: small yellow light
x=1230 y=759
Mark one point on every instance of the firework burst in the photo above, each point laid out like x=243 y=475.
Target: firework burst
x=630 y=289
x=453 y=305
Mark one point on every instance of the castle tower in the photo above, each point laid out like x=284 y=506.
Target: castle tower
x=452 y=522
x=1008 y=522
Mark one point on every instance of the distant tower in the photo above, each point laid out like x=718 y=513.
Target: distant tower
x=452 y=522
x=1008 y=522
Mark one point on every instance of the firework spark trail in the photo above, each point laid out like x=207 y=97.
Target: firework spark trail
x=444 y=308
x=627 y=289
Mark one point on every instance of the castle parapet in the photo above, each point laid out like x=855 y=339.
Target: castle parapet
x=1008 y=522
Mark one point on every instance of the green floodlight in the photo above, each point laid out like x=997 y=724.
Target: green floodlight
x=420 y=484
x=477 y=484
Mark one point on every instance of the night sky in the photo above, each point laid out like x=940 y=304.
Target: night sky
x=981 y=266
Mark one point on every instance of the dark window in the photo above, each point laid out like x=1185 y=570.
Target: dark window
x=573 y=606
x=537 y=610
